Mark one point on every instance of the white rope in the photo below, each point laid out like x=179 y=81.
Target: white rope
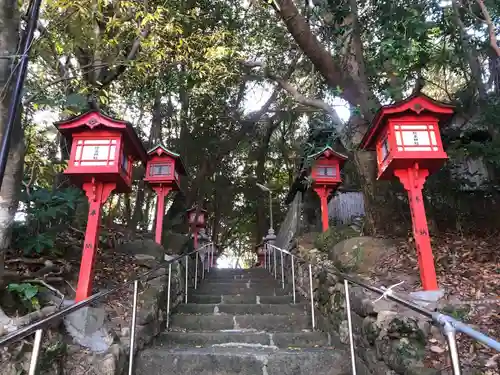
x=387 y=291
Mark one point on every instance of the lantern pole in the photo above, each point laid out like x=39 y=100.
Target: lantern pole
x=413 y=180
x=18 y=86
x=323 y=193
x=161 y=193
x=195 y=237
x=97 y=193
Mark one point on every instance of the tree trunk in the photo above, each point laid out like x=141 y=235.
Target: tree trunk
x=147 y=212
x=348 y=72
x=127 y=214
x=9 y=38
x=138 y=206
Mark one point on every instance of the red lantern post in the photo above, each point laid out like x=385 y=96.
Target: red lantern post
x=103 y=150
x=196 y=220
x=162 y=172
x=259 y=250
x=408 y=143
x=326 y=177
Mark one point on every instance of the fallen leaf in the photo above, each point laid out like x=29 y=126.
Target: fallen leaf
x=437 y=349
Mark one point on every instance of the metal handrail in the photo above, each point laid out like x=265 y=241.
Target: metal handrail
x=41 y=324
x=448 y=324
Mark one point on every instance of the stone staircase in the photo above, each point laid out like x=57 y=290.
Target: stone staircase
x=242 y=322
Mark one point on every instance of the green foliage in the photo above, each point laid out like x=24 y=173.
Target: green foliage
x=335 y=234
x=52 y=357
x=27 y=293
x=457 y=312
x=45 y=212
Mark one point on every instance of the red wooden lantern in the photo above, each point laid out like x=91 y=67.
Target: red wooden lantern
x=259 y=250
x=162 y=172
x=408 y=143
x=196 y=219
x=326 y=177
x=103 y=150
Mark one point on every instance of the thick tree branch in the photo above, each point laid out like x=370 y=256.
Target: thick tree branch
x=132 y=54
x=296 y=95
x=491 y=27
x=469 y=51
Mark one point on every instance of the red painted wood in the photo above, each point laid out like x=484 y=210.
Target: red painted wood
x=161 y=194
x=260 y=260
x=196 y=220
x=195 y=237
x=99 y=127
x=94 y=122
x=97 y=193
x=324 y=185
x=413 y=180
x=418 y=104
x=323 y=193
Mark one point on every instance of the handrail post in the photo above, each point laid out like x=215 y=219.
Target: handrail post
x=293 y=279
x=451 y=338
x=349 y=325
x=275 y=274
x=268 y=257
x=36 y=351
x=186 y=286
x=265 y=259
x=211 y=257
x=168 y=293
x=196 y=271
x=203 y=267
x=208 y=258
x=282 y=272
x=312 y=297
x=132 y=329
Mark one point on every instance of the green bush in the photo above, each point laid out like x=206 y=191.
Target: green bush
x=46 y=213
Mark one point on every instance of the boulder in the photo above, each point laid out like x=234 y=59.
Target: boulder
x=143 y=247
x=174 y=242
x=359 y=254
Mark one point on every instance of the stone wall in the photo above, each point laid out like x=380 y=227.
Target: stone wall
x=67 y=355
x=152 y=308
x=388 y=338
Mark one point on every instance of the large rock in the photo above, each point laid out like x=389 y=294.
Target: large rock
x=145 y=246
x=359 y=254
x=174 y=242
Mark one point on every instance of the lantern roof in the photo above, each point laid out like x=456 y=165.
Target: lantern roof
x=160 y=150
x=329 y=153
x=416 y=104
x=96 y=120
x=194 y=209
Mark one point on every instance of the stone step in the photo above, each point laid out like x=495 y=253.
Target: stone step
x=241 y=290
x=242 y=282
x=245 y=299
x=242 y=309
x=266 y=277
x=207 y=339
x=238 y=273
x=263 y=322
x=242 y=361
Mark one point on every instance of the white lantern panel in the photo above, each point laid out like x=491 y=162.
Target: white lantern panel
x=124 y=162
x=384 y=149
x=326 y=171
x=160 y=170
x=98 y=152
x=95 y=152
x=416 y=138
